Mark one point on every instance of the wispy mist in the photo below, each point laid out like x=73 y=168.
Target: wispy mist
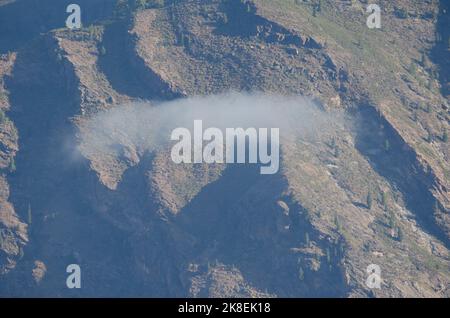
x=146 y=126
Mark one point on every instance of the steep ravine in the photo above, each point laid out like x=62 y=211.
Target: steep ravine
x=130 y=76
x=399 y=165
x=51 y=181
x=441 y=51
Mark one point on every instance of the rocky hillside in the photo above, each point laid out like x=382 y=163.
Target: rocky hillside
x=373 y=188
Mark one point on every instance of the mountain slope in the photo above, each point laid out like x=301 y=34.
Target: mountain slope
x=129 y=214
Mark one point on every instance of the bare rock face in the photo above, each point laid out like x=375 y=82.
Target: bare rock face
x=13 y=233
x=282 y=217
x=39 y=271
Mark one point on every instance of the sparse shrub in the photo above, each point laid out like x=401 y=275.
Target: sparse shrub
x=401 y=13
x=149 y=4
x=94 y=32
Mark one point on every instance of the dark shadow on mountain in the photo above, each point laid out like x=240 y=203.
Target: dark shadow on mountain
x=24 y=20
x=440 y=53
x=400 y=166
x=124 y=69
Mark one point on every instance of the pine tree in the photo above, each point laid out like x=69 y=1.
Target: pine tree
x=187 y=42
x=307 y=239
x=399 y=234
x=328 y=256
x=301 y=274
x=429 y=135
x=369 y=200
x=333 y=143
x=12 y=165
x=436 y=209
x=384 y=200
x=337 y=152
x=412 y=68
x=2 y=115
x=337 y=223
x=423 y=59
x=387 y=145
x=29 y=214
x=182 y=39
x=445 y=136
x=141 y=4
x=391 y=220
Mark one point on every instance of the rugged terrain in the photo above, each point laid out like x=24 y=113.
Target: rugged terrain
x=139 y=225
